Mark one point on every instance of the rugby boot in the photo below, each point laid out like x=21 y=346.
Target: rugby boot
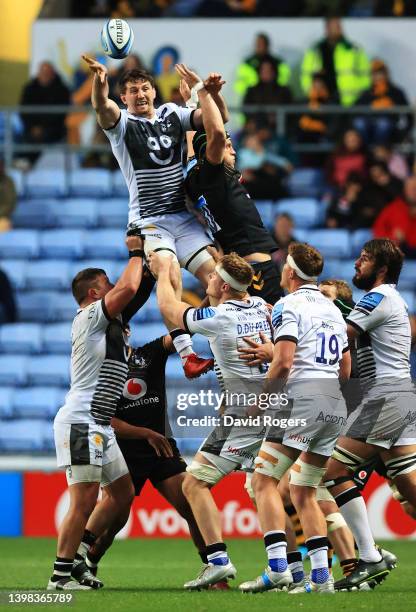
x=67 y=584
x=309 y=586
x=267 y=581
x=389 y=557
x=366 y=573
x=84 y=575
x=195 y=366
x=211 y=574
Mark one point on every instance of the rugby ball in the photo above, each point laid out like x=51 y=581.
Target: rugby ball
x=117 y=38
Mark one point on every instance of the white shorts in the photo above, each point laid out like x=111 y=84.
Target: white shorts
x=181 y=234
x=89 y=444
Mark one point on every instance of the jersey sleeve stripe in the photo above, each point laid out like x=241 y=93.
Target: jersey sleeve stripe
x=105 y=311
x=288 y=338
x=185 y=316
x=355 y=325
x=115 y=124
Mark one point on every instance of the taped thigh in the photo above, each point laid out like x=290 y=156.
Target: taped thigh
x=304 y=474
x=398 y=466
x=351 y=461
x=335 y=521
x=207 y=473
x=322 y=494
x=193 y=261
x=83 y=473
x=271 y=462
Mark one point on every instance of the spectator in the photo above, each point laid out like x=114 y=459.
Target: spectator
x=398 y=220
x=264 y=173
x=267 y=91
x=379 y=128
x=46 y=88
x=283 y=234
x=317 y=127
x=361 y=202
x=349 y=156
x=166 y=77
x=396 y=162
x=345 y=64
x=8 y=308
x=395 y=8
x=248 y=70
x=8 y=199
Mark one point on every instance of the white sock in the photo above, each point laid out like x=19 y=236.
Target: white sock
x=182 y=343
x=355 y=513
x=90 y=563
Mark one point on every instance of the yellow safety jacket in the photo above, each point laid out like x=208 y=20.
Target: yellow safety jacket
x=247 y=74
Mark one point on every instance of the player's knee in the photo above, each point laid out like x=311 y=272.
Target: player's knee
x=304 y=475
x=344 y=462
x=271 y=462
x=200 y=475
x=248 y=485
x=335 y=521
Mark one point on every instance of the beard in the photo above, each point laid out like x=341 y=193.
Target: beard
x=365 y=282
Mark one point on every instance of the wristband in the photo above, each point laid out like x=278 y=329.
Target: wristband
x=136 y=253
x=200 y=85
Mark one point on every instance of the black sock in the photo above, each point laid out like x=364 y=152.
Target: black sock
x=203 y=555
x=62 y=568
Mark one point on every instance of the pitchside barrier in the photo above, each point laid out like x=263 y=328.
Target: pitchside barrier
x=36 y=498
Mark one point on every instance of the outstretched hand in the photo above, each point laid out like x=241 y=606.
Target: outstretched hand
x=190 y=77
x=99 y=69
x=184 y=90
x=213 y=84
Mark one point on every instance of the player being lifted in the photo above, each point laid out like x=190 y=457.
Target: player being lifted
x=232 y=314
x=384 y=422
x=311 y=353
x=147 y=143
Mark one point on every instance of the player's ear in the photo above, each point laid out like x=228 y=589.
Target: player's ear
x=123 y=99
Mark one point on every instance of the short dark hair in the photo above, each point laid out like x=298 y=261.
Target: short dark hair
x=134 y=75
x=386 y=253
x=307 y=258
x=83 y=281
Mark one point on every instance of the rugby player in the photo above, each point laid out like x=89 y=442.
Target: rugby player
x=231 y=316
x=147 y=143
x=311 y=353
x=384 y=422
x=229 y=211
x=85 y=442
x=145 y=439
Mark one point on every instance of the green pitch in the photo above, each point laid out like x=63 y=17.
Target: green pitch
x=147 y=575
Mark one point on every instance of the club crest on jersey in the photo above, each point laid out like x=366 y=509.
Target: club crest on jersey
x=141 y=362
x=134 y=388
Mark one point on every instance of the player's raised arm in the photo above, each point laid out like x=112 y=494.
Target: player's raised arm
x=125 y=289
x=170 y=307
x=107 y=110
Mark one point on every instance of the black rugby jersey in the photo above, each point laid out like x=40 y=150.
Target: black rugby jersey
x=143 y=401
x=228 y=201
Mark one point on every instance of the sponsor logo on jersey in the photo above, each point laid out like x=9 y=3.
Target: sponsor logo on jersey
x=203 y=313
x=97 y=439
x=134 y=388
x=369 y=302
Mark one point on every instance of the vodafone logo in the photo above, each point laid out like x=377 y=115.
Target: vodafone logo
x=134 y=388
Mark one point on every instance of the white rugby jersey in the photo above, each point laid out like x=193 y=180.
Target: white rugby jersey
x=226 y=326
x=149 y=153
x=98 y=367
x=315 y=324
x=383 y=347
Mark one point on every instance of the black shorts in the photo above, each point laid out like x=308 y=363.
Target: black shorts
x=266 y=282
x=154 y=468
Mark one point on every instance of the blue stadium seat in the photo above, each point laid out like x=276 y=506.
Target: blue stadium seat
x=105 y=243
x=306 y=182
x=46 y=184
x=331 y=267
x=18 y=179
x=49 y=370
x=63 y=307
x=331 y=242
x=113 y=213
x=301 y=235
x=304 y=211
x=189 y=281
x=346 y=270
x=80 y=213
x=108 y=265
x=408 y=275
x=22 y=435
x=358 y=239
x=19 y=244
x=13 y=369
x=39 y=214
x=142 y=333
x=119 y=185
x=56 y=338
x=16 y=271
x=20 y=338
x=409 y=298
x=34 y=306
x=90 y=182
x=266 y=211
x=38 y=402
x=150 y=311
x=49 y=274
x=48 y=437
x=62 y=244
x=6 y=402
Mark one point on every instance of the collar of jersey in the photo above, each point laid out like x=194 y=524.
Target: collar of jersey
x=135 y=118
x=239 y=303
x=309 y=287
